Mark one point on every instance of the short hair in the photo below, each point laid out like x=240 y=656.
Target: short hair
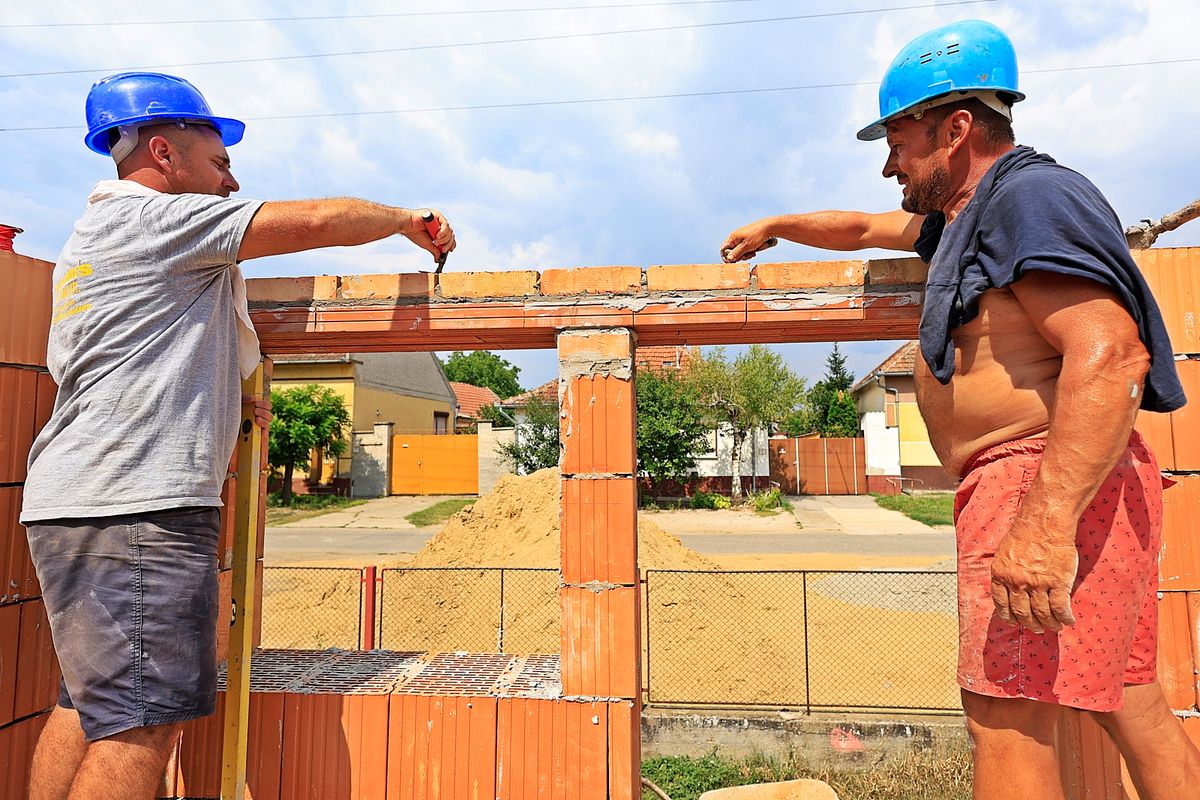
x=997 y=129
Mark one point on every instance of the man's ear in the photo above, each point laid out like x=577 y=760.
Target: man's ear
x=958 y=128
x=161 y=152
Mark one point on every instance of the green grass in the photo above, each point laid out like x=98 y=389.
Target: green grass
x=932 y=508
x=933 y=775
x=304 y=506
x=439 y=512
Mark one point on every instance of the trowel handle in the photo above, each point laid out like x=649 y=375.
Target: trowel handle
x=433 y=227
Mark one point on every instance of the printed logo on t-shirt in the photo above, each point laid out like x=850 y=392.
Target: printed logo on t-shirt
x=67 y=302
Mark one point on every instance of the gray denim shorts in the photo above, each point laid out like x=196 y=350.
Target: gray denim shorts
x=132 y=602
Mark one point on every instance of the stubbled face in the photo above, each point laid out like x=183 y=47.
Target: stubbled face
x=200 y=163
x=919 y=163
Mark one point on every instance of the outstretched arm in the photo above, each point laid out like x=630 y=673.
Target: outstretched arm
x=832 y=230
x=296 y=225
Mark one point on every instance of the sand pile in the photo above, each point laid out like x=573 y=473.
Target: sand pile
x=517 y=525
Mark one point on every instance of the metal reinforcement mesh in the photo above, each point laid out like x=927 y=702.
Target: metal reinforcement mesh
x=870 y=640
x=311 y=607
x=480 y=610
x=386 y=672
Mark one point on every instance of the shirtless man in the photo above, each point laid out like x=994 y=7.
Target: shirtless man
x=1040 y=342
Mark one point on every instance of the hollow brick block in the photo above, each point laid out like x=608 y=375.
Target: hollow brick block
x=624 y=750
x=1179 y=566
x=16 y=754
x=810 y=274
x=599 y=530
x=37 y=666
x=601 y=635
x=25 y=300
x=1185 y=423
x=697 y=277
x=1176 y=673
x=384 y=287
x=18 y=414
x=1155 y=428
x=10 y=643
x=515 y=283
x=896 y=271
x=592 y=280
x=551 y=749
x=441 y=747
x=291 y=290
x=1173 y=274
x=18 y=579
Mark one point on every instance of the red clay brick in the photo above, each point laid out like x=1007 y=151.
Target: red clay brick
x=18 y=412
x=592 y=280
x=698 y=277
x=37 y=666
x=599 y=530
x=601 y=642
x=516 y=283
x=1179 y=566
x=1185 y=423
x=382 y=287
x=1174 y=277
x=810 y=274
x=624 y=750
x=1176 y=674
x=25 y=299
x=10 y=645
x=291 y=290
x=896 y=271
x=18 y=579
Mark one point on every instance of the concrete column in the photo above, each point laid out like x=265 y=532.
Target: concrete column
x=600 y=602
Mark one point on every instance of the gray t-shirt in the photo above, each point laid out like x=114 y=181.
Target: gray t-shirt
x=144 y=348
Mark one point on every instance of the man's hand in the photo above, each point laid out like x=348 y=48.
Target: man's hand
x=1032 y=580
x=745 y=242
x=418 y=235
x=262 y=410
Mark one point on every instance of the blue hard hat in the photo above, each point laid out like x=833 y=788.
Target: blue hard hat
x=968 y=57
x=130 y=98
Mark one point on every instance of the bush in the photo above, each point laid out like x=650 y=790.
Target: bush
x=767 y=500
x=710 y=500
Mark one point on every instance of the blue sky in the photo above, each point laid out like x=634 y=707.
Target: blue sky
x=639 y=182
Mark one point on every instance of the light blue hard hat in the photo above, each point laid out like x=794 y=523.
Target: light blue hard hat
x=132 y=98
x=967 y=58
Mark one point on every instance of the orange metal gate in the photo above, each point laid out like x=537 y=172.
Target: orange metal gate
x=435 y=464
x=819 y=466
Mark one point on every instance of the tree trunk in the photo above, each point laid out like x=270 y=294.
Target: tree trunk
x=287 y=484
x=735 y=466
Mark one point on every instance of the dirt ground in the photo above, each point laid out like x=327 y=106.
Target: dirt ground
x=874 y=640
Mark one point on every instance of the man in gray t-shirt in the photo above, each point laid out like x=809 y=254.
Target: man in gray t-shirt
x=148 y=341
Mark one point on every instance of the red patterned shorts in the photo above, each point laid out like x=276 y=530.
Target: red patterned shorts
x=1114 y=639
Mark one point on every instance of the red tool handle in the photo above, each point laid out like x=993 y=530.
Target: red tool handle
x=433 y=227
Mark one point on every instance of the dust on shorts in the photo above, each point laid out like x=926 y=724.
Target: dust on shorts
x=132 y=602
x=1114 y=599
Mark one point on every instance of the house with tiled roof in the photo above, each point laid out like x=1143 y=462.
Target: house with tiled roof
x=897 y=442
x=471 y=399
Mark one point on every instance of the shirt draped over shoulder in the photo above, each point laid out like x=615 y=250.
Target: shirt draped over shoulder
x=1031 y=213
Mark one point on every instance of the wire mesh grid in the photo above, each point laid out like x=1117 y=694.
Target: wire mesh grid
x=802 y=639
x=312 y=608
x=469 y=609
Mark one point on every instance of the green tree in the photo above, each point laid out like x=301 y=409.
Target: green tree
x=670 y=429
x=535 y=439
x=754 y=390
x=830 y=407
x=482 y=368
x=842 y=416
x=306 y=418
x=837 y=377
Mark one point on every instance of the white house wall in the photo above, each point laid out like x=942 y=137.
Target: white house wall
x=882 y=444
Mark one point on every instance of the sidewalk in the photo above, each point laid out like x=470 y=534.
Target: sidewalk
x=856 y=515
x=382 y=512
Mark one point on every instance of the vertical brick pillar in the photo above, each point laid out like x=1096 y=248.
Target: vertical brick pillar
x=599 y=590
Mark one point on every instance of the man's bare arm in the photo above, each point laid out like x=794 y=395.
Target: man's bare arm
x=296 y=225
x=831 y=230
x=1095 y=403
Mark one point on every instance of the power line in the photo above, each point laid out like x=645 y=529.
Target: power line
x=351 y=17
x=520 y=40
x=622 y=99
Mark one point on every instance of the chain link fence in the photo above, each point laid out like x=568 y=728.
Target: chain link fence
x=786 y=639
x=482 y=610
x=312 y=608
x=802 y=639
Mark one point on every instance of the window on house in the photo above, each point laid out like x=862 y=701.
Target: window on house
x=441 y=422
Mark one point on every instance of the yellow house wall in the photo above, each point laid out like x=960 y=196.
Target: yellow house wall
x=407 y=414
x=915 y=449
x=344 y=388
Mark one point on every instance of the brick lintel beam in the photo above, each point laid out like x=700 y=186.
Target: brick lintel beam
x=686 y=304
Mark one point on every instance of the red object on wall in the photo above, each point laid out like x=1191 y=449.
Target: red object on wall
x=7 y=234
